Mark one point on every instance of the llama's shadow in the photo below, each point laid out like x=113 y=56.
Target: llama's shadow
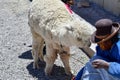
x=58 y=72
x=26 y=55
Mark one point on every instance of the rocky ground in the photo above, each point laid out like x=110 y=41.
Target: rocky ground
x=15 y=40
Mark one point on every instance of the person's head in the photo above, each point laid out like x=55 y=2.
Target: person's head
x=69 y=2
x=105 y=34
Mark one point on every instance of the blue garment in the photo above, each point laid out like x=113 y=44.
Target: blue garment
x=79 y=74
x=112 y=56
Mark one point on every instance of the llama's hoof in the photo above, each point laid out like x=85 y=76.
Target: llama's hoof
x=69 y=73
x=36 y=66
x=48 y=74
x=41 y=59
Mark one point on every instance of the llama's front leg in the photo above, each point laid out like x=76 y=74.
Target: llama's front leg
x=50 y=57
x=35 y=55
x=64 y=55
x=37 y=48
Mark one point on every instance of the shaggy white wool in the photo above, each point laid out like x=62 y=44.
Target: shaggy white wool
x=51 y=22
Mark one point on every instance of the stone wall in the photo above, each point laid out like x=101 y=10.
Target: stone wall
x=110 y=5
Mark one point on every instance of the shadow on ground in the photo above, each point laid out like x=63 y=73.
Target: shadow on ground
x=58 y=72
x=26 y=55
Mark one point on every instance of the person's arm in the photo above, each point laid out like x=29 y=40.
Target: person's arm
x=114 y=69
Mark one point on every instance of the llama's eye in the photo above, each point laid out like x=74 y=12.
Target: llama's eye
x=79 y=39
x=69 y=29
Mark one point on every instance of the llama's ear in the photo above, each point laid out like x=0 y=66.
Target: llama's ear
x=79 y=39
x=69 y=28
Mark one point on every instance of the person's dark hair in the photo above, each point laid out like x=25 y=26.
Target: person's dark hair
x=65 y=1
x=114 y=38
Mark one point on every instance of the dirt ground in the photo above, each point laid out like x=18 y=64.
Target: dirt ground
x=15 y=40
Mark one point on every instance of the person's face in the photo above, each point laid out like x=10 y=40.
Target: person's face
x=106 y=45
x=70 y=2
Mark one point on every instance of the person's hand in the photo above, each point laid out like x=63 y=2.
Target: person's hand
x=99 y=63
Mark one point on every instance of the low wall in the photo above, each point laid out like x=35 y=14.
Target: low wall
x=110 y=5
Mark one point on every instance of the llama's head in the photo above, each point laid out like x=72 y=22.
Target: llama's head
x=82 y=31
x=77 y=33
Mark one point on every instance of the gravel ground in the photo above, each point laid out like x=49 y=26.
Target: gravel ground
x=15 y=40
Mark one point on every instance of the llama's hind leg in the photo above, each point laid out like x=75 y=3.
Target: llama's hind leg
x=37 y=49
x=65 y=55
x=50 y=58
